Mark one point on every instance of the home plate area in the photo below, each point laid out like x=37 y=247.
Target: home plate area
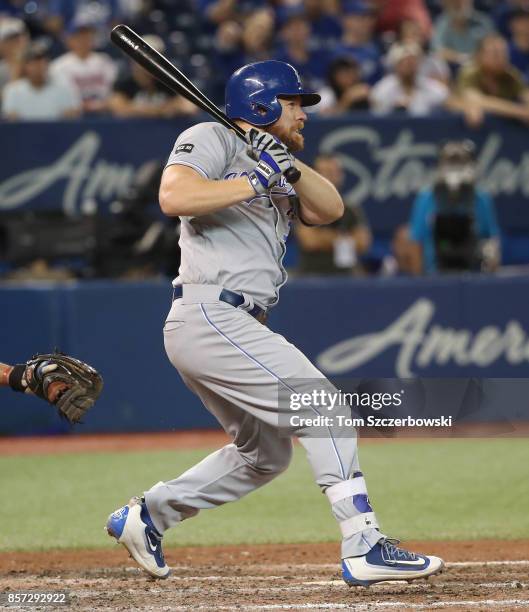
x=270 y=577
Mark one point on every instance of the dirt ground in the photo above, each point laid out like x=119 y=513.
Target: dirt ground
x=479 y=575
x=179 y=440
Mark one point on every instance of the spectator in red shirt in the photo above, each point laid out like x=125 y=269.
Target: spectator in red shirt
x=392 y=13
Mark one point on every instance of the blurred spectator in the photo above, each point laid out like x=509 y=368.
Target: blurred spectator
x=8 y=9
x=228 y=55
x=453 y=226
x=258 y=35
x=236 y=45
x=345 y=90
x=324 y=18
x=296 y=49
x=95 y=10
x=165 y=17
x=459 y=30
x=359 y=38
x=519 y=45
x=432 y=66
x=91 y=74
x=404 y=253
x=334 y=249
x=219 y=11
x=139 y=94
x=502 y=12
x=13 y=42
x=491 y=84
x=392 y=13
x=405 y=89
x=37 y=96
x=101 y=13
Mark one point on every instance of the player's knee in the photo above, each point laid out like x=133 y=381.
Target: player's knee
x=282 y=460
x=272 y=461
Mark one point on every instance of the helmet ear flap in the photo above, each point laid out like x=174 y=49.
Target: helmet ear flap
x=260 y=109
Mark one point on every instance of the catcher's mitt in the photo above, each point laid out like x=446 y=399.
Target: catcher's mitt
x=70 y=384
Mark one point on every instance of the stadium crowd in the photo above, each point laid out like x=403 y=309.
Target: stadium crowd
x=412 y=56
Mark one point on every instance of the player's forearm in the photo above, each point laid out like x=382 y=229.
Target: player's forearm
x=506 y=108
x=499 y=106
x=5 y=371
x=320 y=201
x=195 y=196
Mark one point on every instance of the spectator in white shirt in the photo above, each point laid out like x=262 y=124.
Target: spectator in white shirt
x=405 y=89
x=13 y=41
x=91 y=74
x=432 y=66
x=36 y=96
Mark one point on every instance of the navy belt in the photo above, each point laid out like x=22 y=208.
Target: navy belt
x=231 y=298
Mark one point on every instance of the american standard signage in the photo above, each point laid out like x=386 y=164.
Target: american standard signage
x=385 y=163
x=80 y=172
x=422 y=343
x=404 y=166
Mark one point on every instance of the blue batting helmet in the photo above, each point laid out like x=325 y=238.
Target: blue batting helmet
x=252 y=92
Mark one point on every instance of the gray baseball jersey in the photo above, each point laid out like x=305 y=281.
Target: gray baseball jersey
x=240 y=247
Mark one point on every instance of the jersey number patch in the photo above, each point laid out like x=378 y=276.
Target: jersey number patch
x=184 y=148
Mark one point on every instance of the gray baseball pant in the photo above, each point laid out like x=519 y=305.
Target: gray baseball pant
x=236 y=366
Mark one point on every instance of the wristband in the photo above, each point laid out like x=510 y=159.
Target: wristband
x=16 y=378
x=257 y=185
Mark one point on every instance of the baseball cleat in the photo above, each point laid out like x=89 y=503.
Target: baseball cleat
x=386 y=561
x=132 y=526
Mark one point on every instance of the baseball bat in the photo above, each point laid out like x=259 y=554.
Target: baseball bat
x=167 y=73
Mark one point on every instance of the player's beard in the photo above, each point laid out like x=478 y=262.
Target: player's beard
x=291 y=137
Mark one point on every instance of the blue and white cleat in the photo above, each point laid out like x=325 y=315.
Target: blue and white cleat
x=386 y=561
x=132 y=526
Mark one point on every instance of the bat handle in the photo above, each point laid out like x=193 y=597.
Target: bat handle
x=292 y=175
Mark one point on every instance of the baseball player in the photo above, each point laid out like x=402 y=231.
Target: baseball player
x=67 y=383
x=236 y=207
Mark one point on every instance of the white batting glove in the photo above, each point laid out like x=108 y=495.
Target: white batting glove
x=272 y=164
x=259 y=142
